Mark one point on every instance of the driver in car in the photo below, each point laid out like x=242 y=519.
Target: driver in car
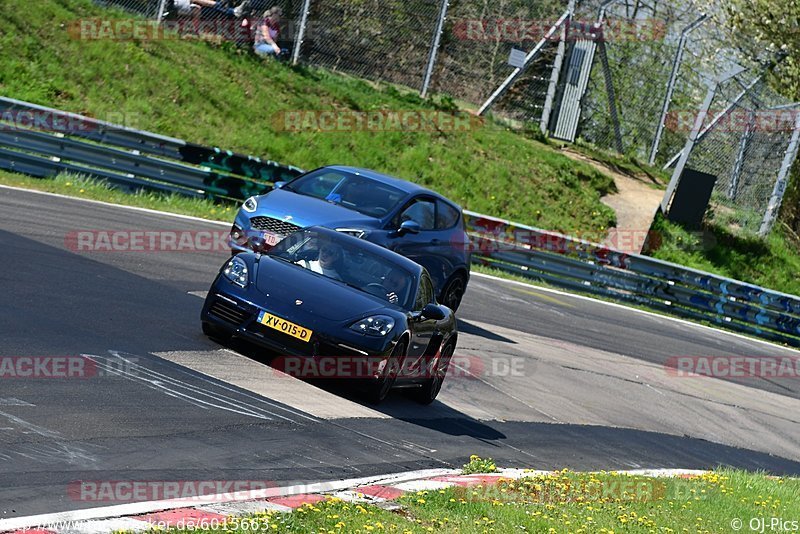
x=329 y=262
x=395 y=284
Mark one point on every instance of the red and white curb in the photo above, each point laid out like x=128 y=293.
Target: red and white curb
x=379 y=490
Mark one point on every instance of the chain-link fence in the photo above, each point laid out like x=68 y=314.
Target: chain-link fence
x=625 y=75
x=746 y=142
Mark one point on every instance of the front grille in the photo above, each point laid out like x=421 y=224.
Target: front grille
x=276 y=226
x=228 y=312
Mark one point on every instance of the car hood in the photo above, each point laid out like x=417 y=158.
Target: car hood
x=284 y=284
x=309 y=211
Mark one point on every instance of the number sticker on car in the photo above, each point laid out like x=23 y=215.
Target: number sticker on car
x=282 y=325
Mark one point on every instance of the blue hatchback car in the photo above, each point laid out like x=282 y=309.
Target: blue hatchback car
x=399 y=215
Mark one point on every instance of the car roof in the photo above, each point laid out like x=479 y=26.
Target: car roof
x=385 y=253
x=403 y=185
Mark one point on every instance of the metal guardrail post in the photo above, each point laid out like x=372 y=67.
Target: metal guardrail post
x=780 y=184
x=301 y=32
x=437 y=39
x=500 y=91
x=676 y=65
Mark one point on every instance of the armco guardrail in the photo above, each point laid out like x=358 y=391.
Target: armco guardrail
x=136 y=159
x=42 y=141
x=591 y=268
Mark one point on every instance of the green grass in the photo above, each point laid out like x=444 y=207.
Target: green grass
x=772 y=262
x=215 y=95
x=559 y=502
x=82 y=187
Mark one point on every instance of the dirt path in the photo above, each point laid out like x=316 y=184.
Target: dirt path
x=635 y=204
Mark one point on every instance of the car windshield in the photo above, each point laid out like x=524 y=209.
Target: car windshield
x=352 y=191
x=343 y=258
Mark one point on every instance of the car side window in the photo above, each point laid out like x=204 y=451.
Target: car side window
x=446 y=215
x=420 y=210
x=424 y=292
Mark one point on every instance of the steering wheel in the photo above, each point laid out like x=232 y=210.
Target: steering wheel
x=375 y=289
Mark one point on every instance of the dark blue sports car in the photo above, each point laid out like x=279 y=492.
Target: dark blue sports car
x=401 y=216
x=335 y=306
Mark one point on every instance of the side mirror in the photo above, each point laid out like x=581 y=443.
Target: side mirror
x=278 y=185
x=409 y=227
x=432 y=311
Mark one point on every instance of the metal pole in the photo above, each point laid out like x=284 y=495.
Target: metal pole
x=612 y=98
x=437 y=38
x=160 y=13
x=301 y=33
x=544 y=122
x=780 y=184
x=500 y=91
x=687 y=149
x=738 y=164
x=676 y=65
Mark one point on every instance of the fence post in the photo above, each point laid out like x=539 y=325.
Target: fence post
x=160 y=12
x=301 y=32
x=676 y=65
x=738 y=164
x=780 y=184
x=437 y=39
x=500 y=91
x=612 y=97
x=558 y=64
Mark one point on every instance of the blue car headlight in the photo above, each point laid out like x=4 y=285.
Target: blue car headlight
x=236 y=271
x=377 y=325
x=250 y=205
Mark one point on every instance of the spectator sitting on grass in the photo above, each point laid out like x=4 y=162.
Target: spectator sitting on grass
x=267 y=31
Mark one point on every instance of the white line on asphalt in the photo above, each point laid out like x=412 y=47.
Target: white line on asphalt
x=635 y=310
x=30 y=427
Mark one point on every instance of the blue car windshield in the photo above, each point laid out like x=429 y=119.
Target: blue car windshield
x=340 y=257
x=366 y=196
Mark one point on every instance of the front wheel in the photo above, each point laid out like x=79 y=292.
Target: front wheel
x=454 y=292
x=387 y=374
x=432 y=386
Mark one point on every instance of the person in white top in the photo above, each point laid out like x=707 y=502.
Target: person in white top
x=329 y=262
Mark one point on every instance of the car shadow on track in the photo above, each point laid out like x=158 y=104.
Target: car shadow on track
x=465 y=327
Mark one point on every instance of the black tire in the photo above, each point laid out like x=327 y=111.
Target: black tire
x=215 y=332
x=431 y=387
x=379 y=388
x=454 y=292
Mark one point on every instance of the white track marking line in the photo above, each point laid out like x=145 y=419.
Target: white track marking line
x=111 y=204
x=635 y=310
x=30 y=427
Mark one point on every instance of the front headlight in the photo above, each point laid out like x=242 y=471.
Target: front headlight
x=236 y=272
x=377 y=325
x=250 y=205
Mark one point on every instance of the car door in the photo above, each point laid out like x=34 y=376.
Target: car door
x=426 y=247
x=422 y=330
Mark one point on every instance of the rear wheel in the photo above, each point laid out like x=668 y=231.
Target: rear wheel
x=432 y=386
x=454 y=292
x=215 y=332
x=387 y=374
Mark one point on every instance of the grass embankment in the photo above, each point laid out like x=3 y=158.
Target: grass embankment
x=215 y=95
x=561 y=502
